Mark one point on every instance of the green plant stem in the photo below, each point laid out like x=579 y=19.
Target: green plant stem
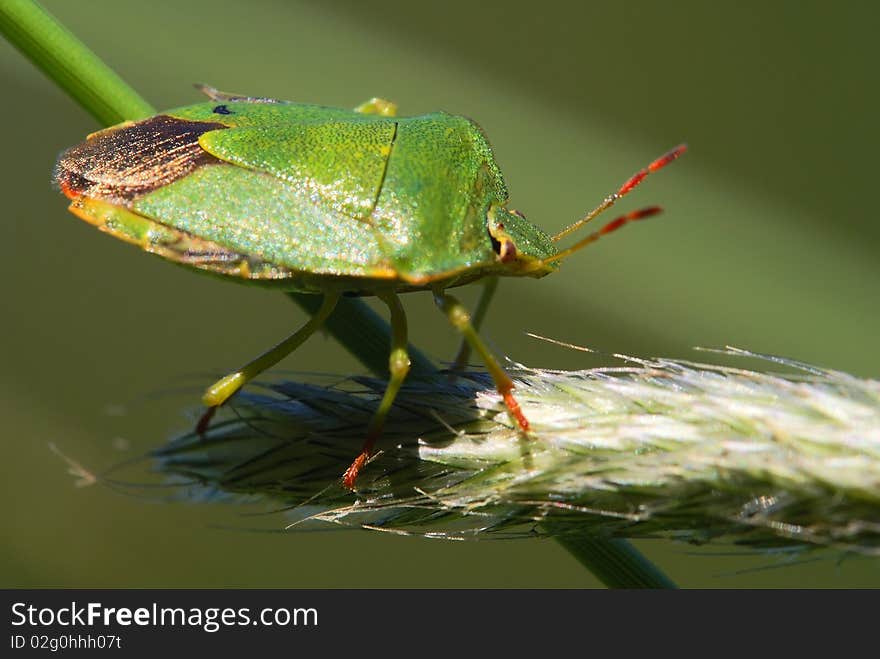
x=614 y=562
x=107 y=97
x=364 y=334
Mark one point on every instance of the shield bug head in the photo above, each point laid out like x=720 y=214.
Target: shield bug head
x=524 y=249
x=519 y=244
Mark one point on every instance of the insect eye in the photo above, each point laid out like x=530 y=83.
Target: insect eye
x=502 y=245
x=504 y=248
x=508 y=251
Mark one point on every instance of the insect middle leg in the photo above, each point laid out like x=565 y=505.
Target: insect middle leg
x=490 y=285
x=219 y=392
x=398 y=367
x=457 y=314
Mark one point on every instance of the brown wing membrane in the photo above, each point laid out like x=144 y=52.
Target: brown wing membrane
x=121 y=163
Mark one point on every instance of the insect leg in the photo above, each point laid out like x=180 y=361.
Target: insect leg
x=380 y=106
x=490 y=285
x=460 y=319
x=398 y=367
x=219 y=392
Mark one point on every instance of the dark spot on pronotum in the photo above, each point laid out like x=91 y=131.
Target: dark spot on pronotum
x=222 y=109
x=122 y=163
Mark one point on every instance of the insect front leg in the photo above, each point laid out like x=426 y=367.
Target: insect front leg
x=490 y=285
x=398 y=367
x=219 y=392
x=460 y=319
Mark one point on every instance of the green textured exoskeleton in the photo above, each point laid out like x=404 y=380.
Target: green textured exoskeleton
x=318 y=200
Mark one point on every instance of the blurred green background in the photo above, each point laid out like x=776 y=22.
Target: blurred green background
x=769 y=243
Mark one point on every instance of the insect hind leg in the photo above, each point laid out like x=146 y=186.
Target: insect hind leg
x=398 y=367
x=222 y=390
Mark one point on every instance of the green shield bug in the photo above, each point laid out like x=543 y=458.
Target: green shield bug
x=326 y=201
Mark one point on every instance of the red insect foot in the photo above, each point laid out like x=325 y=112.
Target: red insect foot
x=351 y=474
x=515 y=410
x=205 y=421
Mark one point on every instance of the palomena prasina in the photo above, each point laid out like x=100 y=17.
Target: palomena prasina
x=321 y=200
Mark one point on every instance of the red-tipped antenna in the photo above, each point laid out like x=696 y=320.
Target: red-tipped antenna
x=624 y=189
x=613 y=225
